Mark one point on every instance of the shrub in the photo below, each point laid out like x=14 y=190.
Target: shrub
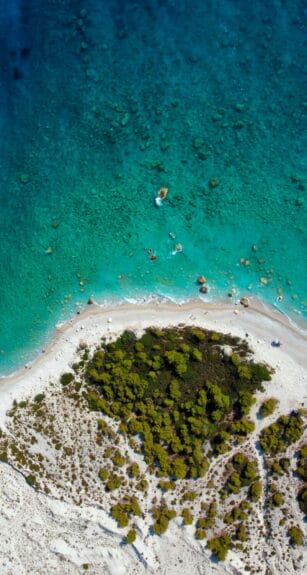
x=189 y=496
x=118 y=459
x=162 y=516
x=66 y=378
x=103 y=474
x=277 y=499
x=268 y=406
x=131 y=536
x=187 y=516
x=241 y=533
x=234 y=483
x=133 y=470
x=246 y=400
x=161 y=525
x=166 y=485
x=220 y=546
x=142 y=485
x=302 y=463
x=3 y=456
x=39 y=397
x=255 y=491
x=283 y=432
x=302 y=499
x=30 y=479
x=118 y=513
x=114 y=482
x=296 y=536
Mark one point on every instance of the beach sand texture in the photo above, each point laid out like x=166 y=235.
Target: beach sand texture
x=41 y=534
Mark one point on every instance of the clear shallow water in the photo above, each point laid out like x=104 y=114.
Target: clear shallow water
x=103 y=103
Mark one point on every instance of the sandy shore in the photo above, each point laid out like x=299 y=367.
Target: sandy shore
x=261 y=323
x=64 y=534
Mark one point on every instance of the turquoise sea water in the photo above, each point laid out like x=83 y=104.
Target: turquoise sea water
x=101 y=105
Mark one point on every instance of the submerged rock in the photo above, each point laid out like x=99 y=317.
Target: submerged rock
x=214 y=183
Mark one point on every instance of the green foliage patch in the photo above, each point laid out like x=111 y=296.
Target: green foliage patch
x=301 y=469
x=268 y=407
x=220 y=546
x=175 y=389
x=66 y=378
x=162 y=516
x=279 y=435
x=296 y=536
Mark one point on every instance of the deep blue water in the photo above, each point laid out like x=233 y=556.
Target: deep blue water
x=101 y=105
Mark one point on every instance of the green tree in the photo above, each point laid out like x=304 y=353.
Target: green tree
x=175 y=392
x=131 y=536
x=187 y=516
x=234 y=482
x=179 y=468
x=255 y=491
x=200 y=534
x=220 y=546
x=277 y=499
x=133 y=470
x=114 y=482
x=241 y=532
x=160 y=526
x=245 y=401
x=302 y=499
x=268 y=407
x=103 y=473
x=66 y=378
x=296 y=536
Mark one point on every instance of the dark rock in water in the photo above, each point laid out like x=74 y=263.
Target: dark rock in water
x=90 y=301
x=201 y=280
x=214 y=183
x=198 y=143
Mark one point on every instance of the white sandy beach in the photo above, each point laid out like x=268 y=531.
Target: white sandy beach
x=42 y=535
x=262 y=324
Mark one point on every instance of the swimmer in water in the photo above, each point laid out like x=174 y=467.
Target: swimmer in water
x=161 y=196
x=178 y=248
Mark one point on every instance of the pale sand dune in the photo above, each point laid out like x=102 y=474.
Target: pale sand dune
x=42 y=535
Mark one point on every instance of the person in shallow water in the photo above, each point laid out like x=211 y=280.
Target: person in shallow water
x=161 y=196
x=178 y=248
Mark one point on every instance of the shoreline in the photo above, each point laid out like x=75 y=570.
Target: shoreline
x=260 y=322
x=295 y=319
x=81 y=524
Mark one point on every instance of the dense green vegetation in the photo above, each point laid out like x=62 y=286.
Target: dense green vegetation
x=245 y=472
x=302 y=499
x=282 y=433
x=125 y=509
x=220 y=546
x=301 y=468
x=268 y=407
x=175 y=389
x=296 y=536
x=162 y=516
x=279 y=466
x=131 y=536
x=176 y=398
x=66 y=378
